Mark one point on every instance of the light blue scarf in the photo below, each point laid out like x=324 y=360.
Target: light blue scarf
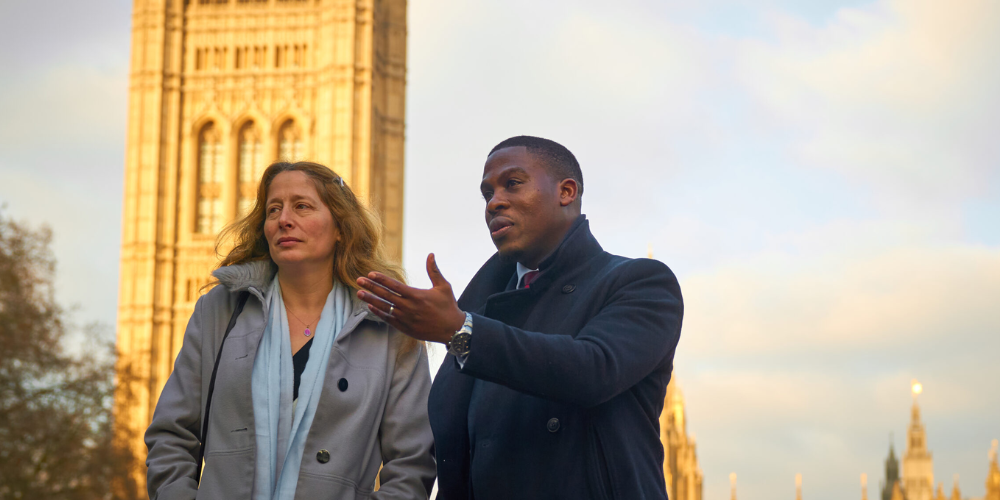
x=281 y=428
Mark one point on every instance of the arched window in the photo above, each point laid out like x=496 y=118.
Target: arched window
x=209 y=220
x=251 y=166
x=289 y=142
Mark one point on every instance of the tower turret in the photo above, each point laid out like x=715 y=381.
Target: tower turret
x=918 y=465
x=993 y=476
x=891 y=473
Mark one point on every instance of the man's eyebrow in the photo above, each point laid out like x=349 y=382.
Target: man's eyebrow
x=506 y=173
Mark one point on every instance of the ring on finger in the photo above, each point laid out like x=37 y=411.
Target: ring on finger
x=391 y=308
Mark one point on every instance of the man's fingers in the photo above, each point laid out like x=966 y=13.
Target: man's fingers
x=376 y=295
x=437 y=279
x=382 y=281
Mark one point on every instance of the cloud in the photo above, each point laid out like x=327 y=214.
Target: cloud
x=898 y=93
x=776 y=304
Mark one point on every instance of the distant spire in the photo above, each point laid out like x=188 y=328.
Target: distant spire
x=956 y=494
x=732 y=486
x=649 y=250
x=798 y=487
x=897 y=492
x=864 y=486
x=993 y=476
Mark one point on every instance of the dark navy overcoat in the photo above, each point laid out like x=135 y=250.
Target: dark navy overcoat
x=561 y=393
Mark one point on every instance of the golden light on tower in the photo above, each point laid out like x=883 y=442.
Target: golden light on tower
x=916 y=387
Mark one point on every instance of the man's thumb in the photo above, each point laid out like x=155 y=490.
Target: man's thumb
x=437 y=279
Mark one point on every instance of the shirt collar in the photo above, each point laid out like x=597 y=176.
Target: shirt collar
x=521 y=271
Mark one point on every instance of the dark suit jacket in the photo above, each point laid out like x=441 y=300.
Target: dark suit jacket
x=561 y=393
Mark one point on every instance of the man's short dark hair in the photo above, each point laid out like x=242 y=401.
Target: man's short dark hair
x=557 y=159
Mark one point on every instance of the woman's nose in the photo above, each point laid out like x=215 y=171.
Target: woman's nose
x=284 y=218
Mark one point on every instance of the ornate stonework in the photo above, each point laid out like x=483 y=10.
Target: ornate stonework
x=680 y=463
x=993 y=476
x=219 y=89
x=918 y=464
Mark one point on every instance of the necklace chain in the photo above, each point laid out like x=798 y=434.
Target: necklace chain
x=307 y=332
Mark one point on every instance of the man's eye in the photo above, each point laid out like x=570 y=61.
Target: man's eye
x=512 y=183
x=487 y=195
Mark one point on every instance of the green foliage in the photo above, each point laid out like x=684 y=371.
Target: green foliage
x=56 y=439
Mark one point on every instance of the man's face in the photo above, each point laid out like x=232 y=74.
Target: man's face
x=523 y=210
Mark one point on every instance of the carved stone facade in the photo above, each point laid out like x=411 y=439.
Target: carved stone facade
x=218 y=90
x=680 y=464
x=993 y=475
x=918 y=464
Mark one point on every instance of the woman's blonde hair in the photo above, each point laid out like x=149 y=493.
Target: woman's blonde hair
x=360 y=250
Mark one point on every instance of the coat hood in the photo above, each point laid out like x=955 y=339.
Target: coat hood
x=239 y=277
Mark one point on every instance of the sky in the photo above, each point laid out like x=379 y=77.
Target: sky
x=823 y=177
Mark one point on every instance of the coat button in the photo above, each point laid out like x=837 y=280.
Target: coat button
x=552 y=425
x=323 y=456
x=342 y=385
x=568 y=288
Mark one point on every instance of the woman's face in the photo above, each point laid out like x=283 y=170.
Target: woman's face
x=298 y=225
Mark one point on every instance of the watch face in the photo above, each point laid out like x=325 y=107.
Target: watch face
x=459 y=345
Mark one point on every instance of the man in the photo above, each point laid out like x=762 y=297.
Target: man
x=559 y=352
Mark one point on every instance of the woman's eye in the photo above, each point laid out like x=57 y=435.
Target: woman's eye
x=301 y=206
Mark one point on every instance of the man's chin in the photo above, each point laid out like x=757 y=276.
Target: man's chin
x=507 y=251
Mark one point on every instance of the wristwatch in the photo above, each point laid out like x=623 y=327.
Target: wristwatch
x=460 y=341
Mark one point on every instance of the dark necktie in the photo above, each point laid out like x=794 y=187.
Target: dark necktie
x=528 y=278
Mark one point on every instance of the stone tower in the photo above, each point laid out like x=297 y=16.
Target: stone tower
x=219 y=89
x=891 y=473
x=680 y=458
x=918 y=465
x=993 y=476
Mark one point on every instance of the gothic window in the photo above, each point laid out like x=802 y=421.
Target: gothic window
x=251 y=166
x=219 y=58
x=259 y=56
x=281 y=56
x=290 y=142
x=299 y=56
x=210 y=156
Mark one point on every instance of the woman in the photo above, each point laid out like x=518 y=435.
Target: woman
x=311 y=393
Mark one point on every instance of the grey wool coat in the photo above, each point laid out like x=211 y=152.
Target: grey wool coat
x=373 y=409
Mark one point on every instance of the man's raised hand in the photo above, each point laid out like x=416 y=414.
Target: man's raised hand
x=432 y=315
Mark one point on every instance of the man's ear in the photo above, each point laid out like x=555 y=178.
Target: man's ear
x=569 y=191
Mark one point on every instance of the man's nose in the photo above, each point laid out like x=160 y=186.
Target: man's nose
x=496 y=203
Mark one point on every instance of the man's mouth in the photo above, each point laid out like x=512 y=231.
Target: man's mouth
x=500 y=226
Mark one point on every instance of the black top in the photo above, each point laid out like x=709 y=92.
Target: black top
x=299 y=360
